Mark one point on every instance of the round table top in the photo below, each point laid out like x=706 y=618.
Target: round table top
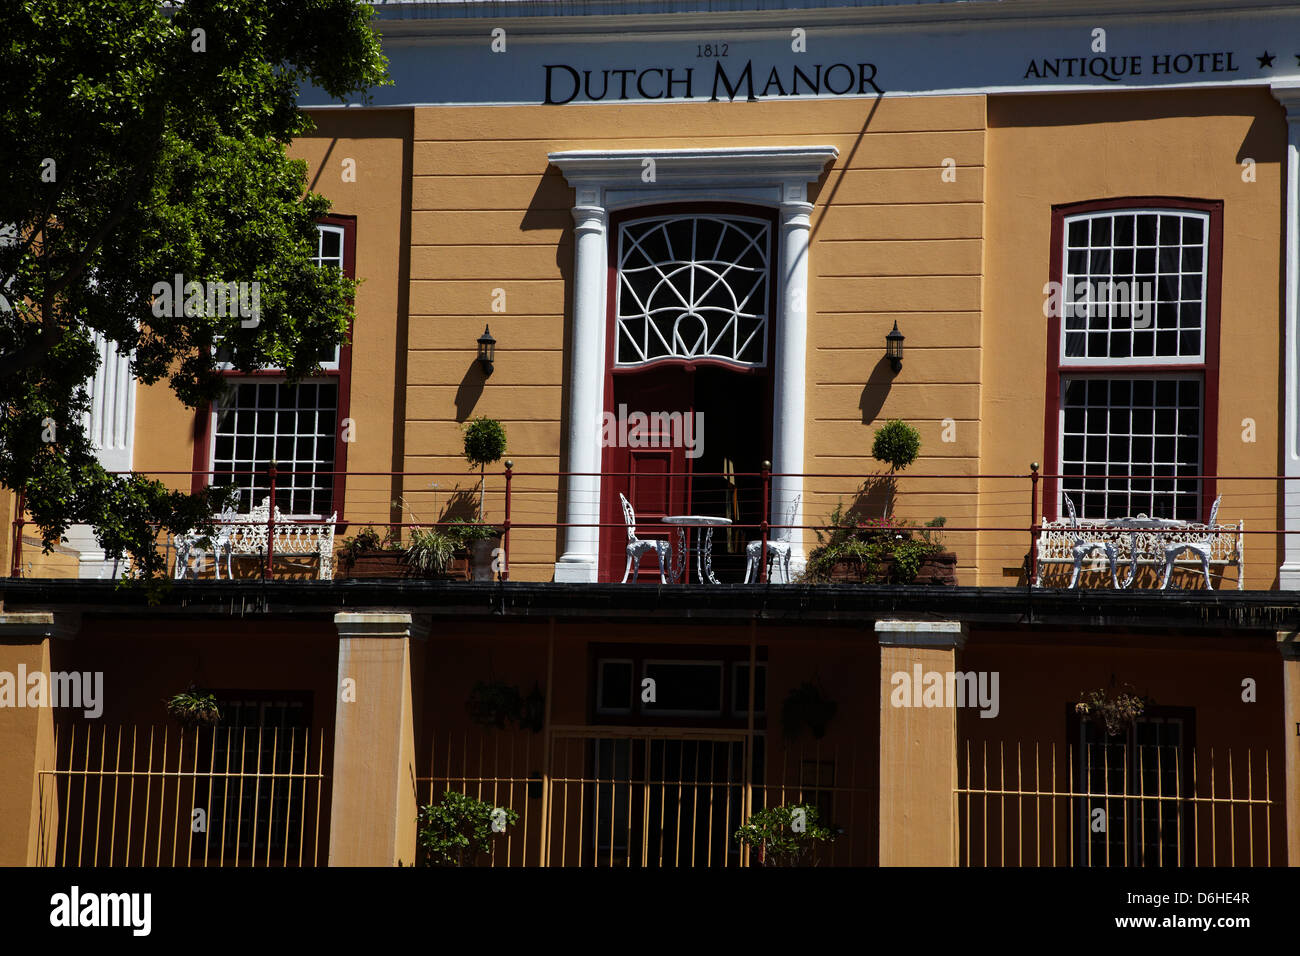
x=701 y=520
x=1142 y=521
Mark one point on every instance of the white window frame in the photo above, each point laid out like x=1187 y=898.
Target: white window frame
x=1068 y=281
x=758 y=299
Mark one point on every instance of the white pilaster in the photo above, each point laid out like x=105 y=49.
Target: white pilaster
x=110 y=427
x=605 y=180
x=1288 y=94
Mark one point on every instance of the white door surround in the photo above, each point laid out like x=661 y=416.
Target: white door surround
x=607 y=180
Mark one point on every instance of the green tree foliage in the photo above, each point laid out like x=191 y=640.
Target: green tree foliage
x=784 y=836
x=896 y=444
x=142 y=141
x=458 y=829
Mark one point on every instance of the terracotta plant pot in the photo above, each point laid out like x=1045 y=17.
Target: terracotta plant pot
x=935 y=569
x=391 y=564
x=375 y=564
x=480 y=558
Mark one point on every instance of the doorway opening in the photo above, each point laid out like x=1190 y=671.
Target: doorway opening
x=688 y=397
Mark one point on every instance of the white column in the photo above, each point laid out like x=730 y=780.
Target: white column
x=791 y=361
x=1289 y=574
x=579 y=562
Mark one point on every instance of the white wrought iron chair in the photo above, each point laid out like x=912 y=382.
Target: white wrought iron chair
x=1200 y=541
x=776 y=550
x=191 y=545
x=1082 y=548
x=636 y=547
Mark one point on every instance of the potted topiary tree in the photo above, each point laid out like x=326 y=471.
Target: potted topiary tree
x=485 y=444
x=896 y=444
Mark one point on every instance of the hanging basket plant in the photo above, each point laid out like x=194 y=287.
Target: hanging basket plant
x=194 y=708
x=494 y=704
x=807 y=706
x=1117 y=712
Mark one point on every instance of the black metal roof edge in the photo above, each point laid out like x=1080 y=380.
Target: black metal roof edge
x=1159 y=610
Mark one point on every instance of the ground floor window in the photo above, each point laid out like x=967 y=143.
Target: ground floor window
x=1136 y=811
x=260 y=733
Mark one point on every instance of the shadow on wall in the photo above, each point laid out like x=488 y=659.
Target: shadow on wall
x=876 y=390
x=470 y=390
x=462 y=505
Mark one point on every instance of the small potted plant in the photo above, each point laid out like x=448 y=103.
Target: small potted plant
x=880 y=551
x=459 y=829
x=784 y=836
x=368 y=554
x=429 y=553
x=194 y=708
x=477 y=546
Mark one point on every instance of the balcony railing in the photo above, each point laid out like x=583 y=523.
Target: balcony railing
x=993 y=521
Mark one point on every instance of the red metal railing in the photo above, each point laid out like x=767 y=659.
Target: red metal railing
x=763 y=493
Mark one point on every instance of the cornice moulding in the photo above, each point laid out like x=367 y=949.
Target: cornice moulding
x=739 y=166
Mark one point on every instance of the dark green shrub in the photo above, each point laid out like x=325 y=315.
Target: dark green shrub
x=457 y=830
x=783 y=836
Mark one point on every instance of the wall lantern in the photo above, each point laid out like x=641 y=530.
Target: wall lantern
x=487 y=351
x=894 y=349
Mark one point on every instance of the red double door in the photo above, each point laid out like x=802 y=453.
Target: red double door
x=671 y=463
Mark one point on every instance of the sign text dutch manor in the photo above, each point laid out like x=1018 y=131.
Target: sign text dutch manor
x=564 y=84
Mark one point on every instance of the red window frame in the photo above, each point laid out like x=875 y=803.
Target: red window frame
x=202 y=468
x=1208 y=369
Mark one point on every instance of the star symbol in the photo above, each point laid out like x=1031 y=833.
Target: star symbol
x=1267 y=59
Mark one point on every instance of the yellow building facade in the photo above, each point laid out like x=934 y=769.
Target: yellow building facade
x=1087 y=231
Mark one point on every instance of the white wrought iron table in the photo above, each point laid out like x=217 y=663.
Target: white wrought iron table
x=703 y=525
x=1145 y=536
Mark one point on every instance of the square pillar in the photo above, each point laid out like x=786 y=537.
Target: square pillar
x=28 y=811
x=373 y=792
x=918 y=748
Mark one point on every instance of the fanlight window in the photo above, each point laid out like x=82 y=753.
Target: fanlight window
x=693 y=287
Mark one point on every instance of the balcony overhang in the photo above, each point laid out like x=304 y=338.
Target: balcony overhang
x=1041 y=614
